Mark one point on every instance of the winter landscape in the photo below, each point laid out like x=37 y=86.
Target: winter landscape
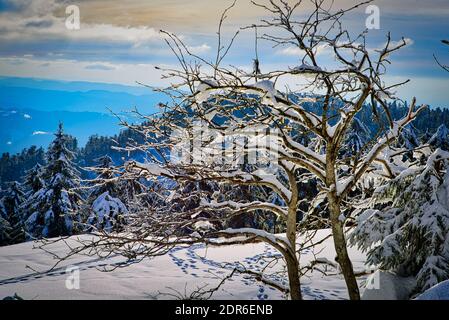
x=236 y=150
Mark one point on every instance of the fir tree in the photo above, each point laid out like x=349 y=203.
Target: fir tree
x=357 y=138
x=408 y=138
x=54 y=209
x=407 y=228
x=10 y=211
x=5 y=230
x=106 y=211
x=33 y=181
x=441 y=138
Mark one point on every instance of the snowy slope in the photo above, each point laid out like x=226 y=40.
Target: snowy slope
x=437 y=292
x=184 y=269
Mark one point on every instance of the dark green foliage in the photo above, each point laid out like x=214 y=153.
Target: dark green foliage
x=106 y=211
x=10 y=203
x=13 y=167
x=54 y=209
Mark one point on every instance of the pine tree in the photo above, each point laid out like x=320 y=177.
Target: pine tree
x=407 y=228
x=408 y=138
x=441 y=138
x=106 y=211
x=5 y=230
x=54 y=209
x=33 y=181
x=357 y=138
x=10 y=211
x=425 y=137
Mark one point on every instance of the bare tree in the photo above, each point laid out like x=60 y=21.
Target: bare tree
x=226 y=128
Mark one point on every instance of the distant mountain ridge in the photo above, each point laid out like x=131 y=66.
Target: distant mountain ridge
x=71 y=86
x=76 y=101
x=22 y=128
x=31 y=108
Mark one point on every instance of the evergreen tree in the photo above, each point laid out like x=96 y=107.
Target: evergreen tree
x=5 y=230
x=106 y=211
x=33 y=181
x=10 y=211
x=54 y=209
x=357 y=138
x=408 y=138
x=425 y=137
x=407 y=228
x=441 y=138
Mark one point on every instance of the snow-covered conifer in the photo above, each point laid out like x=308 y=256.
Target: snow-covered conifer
x=10 y=205
x=106 y=211
x=54 y=209
x=357 y=138
x=441 y=138
x=406 y=230
x=5 y=230
x=33 y=181
x=408 y=138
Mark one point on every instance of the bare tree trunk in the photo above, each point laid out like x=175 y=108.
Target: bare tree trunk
x=291 y=256
x=293 y=277
x=337 y=227
x=342 y=251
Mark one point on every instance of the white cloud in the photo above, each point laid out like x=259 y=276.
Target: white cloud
x=72 y=70
x=199 y=49
x=297 y=52
x=37 y=133
x=394 y=43
x=27 y=116
x=136 y=35
x=291 y=51
x=36 y=20
x=100 y=66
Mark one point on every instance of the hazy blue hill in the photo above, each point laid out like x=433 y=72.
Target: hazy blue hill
x=23 y=128
x=36 y=106
x=71 y=86
x=93 y=100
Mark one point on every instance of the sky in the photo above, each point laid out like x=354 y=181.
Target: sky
x=119 y=41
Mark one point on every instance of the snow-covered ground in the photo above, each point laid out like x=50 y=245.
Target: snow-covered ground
x=183 y=269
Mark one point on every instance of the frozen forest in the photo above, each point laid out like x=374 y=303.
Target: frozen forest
x=240 y=186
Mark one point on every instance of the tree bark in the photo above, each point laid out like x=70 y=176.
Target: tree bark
x=342 y=252
x=337 y=226
x=293 y=277
x=291 y=256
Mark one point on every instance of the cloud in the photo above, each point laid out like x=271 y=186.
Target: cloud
x=100 y=66
x=291 y=51
x=39 y=24
x=94 y=71
x=56 y=30
x=39 y=20
x=408 y=42
x=27 y=116
x=37 y=133
x=297 y=52
x=199 y=49
x=394 y=43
